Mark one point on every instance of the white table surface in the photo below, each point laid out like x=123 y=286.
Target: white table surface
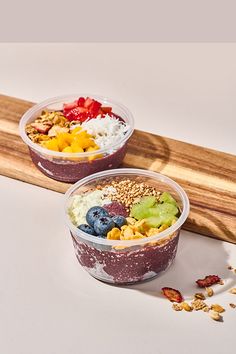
x=48 y=303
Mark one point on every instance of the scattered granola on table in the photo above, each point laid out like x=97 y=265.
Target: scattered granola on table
x=200 y=296
x=198 y=304
x=186 y=307
x=215 y=315
x=217 y=308
x=177 y=306
x=233 y=291
x=232 y=305
x=210 y=292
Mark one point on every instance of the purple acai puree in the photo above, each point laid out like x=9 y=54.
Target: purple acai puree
x=71 y=171
x=126 y=266
x=116 y=208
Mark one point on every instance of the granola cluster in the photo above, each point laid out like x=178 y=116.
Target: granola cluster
x=47 y=125
x=198 y=304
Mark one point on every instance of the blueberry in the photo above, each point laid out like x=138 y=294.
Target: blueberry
x=94 y=213
x=87 y=229
x=119 y=220
x=103 y=225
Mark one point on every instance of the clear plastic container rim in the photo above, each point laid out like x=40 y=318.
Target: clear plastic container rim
x=128 y=171
x=28 y=114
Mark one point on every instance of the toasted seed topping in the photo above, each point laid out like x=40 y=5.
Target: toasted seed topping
x=129 y=192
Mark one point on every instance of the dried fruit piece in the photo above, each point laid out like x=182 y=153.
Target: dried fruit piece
x=215 y=315
x=186 y=307
x=233 y=291
x=208 y=281
x=209 y=291
x=217 y=308
x=200 y=296
x=172 y=294
x=56 y=129
x=41 y=128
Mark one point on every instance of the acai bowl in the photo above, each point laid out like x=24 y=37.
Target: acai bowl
x=125 y=223
x=71 y=137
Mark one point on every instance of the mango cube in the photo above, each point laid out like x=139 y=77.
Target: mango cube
x=76 y=130
x=75 y=146
x=67 y=137
x=52 y=144
x=62 y=144
x=67 y=149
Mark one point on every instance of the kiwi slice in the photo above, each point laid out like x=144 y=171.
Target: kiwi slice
x=162 y=209
x=167 y=198
x=141 y=209
x=157 y=221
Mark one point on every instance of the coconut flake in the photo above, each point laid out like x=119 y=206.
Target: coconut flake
x=106 y=131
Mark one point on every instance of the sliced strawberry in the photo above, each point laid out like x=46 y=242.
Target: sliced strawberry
x=172 y=294
x=94 y=108
x=88 y=102
x=106 y=110
x=41 y=128
x=208 y=281
x=83 y=109
x=78 y=113
x=81 y=102
x=69 y=106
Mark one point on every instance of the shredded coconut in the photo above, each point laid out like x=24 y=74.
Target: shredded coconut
x=106 y=131
x=81 y=203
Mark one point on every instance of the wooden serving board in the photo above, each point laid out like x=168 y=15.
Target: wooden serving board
x=208 y=176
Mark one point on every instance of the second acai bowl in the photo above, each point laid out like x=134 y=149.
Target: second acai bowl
x=71 y=137
x=125 y=223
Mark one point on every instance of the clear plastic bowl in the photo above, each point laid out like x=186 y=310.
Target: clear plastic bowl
x=130 y=261
x=71 y=167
